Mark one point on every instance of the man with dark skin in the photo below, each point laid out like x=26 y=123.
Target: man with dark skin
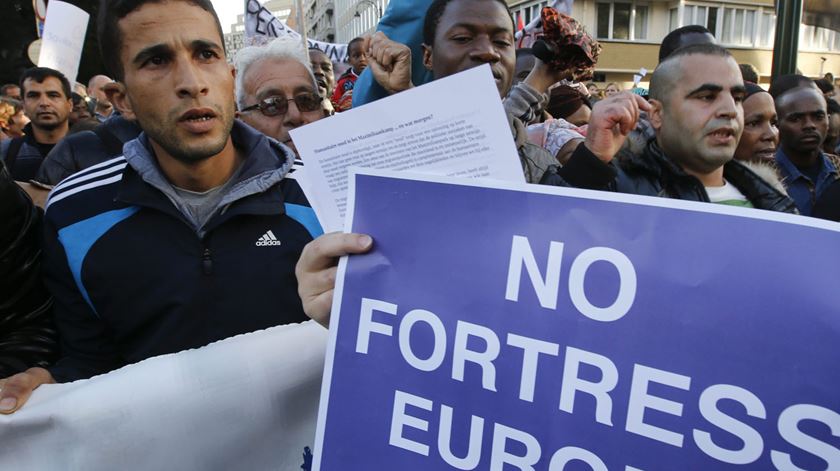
x=460 y=35
x=803 y=124
x=322 y=67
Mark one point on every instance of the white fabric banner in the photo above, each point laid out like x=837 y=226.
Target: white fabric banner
x=63 y=38
x=249 y=402
x=259 y=21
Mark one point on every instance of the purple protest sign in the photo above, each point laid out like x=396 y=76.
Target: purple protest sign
x=534 y=328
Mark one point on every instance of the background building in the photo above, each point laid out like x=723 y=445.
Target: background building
x=356 y=17
x=234 y=40
x=320 y=20
x=631 y=31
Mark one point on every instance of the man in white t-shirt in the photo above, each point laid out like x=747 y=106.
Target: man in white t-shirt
x=696 y=111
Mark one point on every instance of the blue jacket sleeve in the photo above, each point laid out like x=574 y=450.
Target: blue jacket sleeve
x=86 y=345
x=403 y=23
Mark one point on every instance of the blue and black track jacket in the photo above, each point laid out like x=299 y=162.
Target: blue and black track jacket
x=132 y=278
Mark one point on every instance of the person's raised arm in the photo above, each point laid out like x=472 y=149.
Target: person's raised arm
x=389 y=61
x=316 y=270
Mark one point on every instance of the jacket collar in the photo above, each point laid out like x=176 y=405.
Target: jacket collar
x=265 y=164
x=792 y=172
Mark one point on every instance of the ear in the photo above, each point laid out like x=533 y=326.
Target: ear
x=427 y=56
x=655 y=114
x=118 y=97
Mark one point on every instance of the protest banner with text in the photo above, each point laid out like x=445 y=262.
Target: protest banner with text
x=259 y=21
x=520 y=327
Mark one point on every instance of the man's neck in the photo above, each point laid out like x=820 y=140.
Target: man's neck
x=802 y=159
x=50 y=136
x=712 y=179
x=202 y=175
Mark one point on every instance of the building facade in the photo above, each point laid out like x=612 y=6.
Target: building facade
x=631 y=31
x=235 y=40
x=320 y=20
x=357 y=17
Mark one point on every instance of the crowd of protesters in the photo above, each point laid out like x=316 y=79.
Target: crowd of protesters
x=174 y=218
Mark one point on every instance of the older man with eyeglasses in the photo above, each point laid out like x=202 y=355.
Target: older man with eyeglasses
x=276 y=90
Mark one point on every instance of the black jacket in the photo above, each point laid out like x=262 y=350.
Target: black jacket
x=653 y=174
x=87 y=148
x=27 y=335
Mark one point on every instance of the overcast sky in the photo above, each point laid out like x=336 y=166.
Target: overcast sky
x=227 y=11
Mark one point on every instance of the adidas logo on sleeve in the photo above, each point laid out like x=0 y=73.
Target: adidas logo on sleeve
x=267 y=239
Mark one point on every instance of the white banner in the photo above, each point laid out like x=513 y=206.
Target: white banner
x=248 y=402
x=259 y=21
x=64 y=38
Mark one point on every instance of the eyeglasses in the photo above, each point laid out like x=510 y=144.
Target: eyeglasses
x=279 y=105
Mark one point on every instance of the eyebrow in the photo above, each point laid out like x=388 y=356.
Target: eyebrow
x=151 y=51
x=706 y=87
x=472 y=28
x=277 y=92
x=711 y=87
x=165 y=50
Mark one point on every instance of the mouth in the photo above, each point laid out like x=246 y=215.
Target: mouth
x=809 y=138
x=321 y=83
x=198 y=120
x=722 y=136
x=766 y=154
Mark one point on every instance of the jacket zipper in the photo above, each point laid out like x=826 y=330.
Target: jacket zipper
x=207 y=262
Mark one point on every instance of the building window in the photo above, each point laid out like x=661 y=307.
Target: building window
x=733 y=26
x=622 y=20
x=701 y=15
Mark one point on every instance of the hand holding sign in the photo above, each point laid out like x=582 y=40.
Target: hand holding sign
x=316 y=270
x=15 y=390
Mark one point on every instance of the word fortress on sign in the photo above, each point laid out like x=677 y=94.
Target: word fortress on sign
x=539 y=355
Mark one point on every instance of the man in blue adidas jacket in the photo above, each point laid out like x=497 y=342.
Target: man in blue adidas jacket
x=193 y=234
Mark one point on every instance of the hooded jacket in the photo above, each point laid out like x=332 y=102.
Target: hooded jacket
x=133 y=278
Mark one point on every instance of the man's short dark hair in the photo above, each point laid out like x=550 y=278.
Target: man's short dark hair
x=352 y=42
x=4 y=90
x=833 y=106
x=39 y=74
x=664 y=77
x=824 y=85
x=672 y=41
x=749 y=72
x=435 y=13
x=785 y=83
x=110 y=37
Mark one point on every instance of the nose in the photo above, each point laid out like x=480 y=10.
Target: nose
x=728 y=106
x=293 y=116
x=809 y=123
x=770 y=133
x=484 y=51
x=190 y=81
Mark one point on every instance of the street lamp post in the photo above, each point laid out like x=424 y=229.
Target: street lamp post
x=371 y=3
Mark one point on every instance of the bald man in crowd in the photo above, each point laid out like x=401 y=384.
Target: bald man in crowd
x=96 y=90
